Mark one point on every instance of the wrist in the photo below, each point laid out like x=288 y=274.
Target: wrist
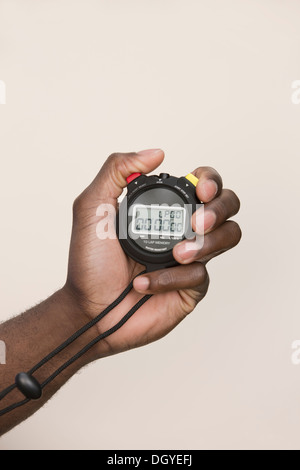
x=73 y=318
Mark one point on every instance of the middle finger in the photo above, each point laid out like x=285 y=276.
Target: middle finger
x=216 y=212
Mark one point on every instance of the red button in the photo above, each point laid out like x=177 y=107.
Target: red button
x=132 y=177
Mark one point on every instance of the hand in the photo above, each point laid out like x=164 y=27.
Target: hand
x=99 y=270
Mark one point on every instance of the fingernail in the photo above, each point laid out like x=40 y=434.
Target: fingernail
x=204 y=221
x=209 y=189
x=147 y=153
x=186 y=251
x=142 y=283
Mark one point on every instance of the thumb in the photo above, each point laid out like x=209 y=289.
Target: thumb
x=111 y=179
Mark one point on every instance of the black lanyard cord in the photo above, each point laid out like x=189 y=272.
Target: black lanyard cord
x=29 y=386
x=96 y=340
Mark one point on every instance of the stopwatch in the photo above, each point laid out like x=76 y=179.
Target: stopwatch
x=154 y=216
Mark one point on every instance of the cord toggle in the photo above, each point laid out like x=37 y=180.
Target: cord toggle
x=28 y=385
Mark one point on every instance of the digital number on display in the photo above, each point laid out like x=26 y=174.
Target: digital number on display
x=158 y=220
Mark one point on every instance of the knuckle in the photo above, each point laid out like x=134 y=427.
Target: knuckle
x=220 y=208
x=114 y=156
x=203 y=285
x=201 y=273
x=165 y=279
x=235 y=231
x=118 y=165
x=211 y=173
x=113 y=168
x=82 y=202
x=227 y=205
x=78 y=204
x=234 y=200
x=206 y=283
x=207 y=171
x=209 y=243
x=197 y=275
x=113 y=162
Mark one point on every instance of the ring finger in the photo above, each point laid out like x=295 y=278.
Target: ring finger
x=223 y=238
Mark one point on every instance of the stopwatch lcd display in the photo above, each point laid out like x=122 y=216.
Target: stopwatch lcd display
x=155 y=216
x=158 y=220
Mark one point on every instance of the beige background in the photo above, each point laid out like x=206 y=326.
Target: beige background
x=209 y=82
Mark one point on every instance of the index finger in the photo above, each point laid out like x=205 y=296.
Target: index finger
x=209 y=185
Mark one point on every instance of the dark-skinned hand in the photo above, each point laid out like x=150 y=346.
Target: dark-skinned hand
x=99 y=270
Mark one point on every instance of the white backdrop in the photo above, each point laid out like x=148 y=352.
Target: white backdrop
x=209 y=82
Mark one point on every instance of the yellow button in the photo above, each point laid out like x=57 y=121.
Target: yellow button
x=192 y=179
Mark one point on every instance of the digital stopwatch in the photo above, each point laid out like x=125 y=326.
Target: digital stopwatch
x=154 y=216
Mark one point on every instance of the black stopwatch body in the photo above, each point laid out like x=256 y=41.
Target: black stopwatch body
x=154 y=216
